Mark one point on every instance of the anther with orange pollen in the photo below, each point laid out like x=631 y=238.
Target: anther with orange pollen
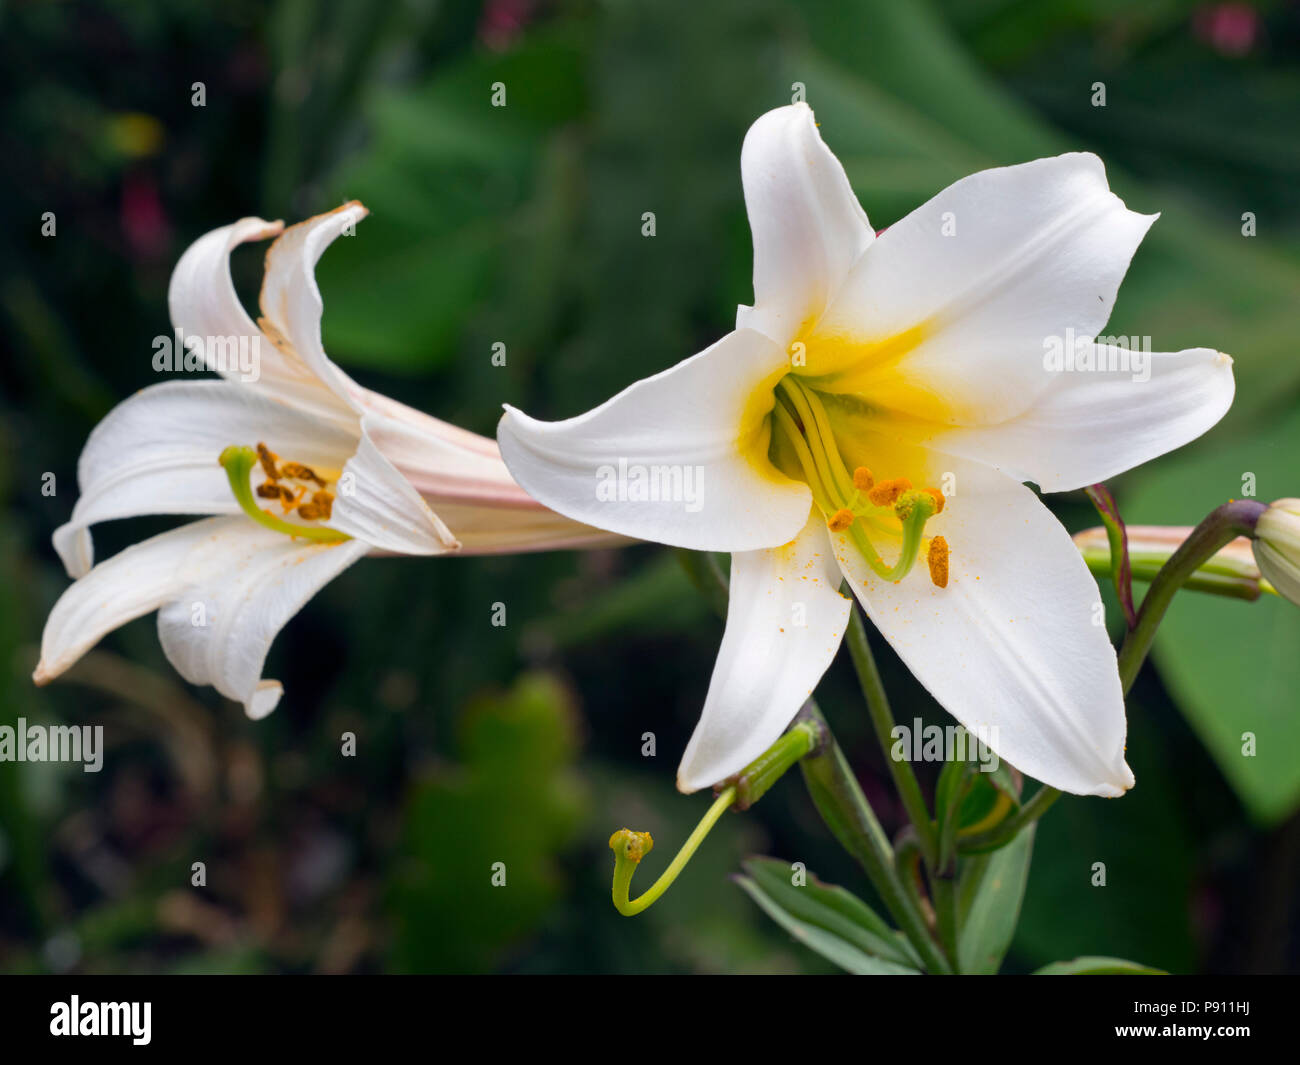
x=886 y=493
x=855 y=504
x=841 y=520
x=937 y=558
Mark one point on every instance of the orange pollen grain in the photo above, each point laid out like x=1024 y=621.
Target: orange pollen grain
x=938 y=499
x=840 y=520
x=886 y=493
x=937 y=557
x=863 y=481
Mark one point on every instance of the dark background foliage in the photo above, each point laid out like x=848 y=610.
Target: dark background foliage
x=522 y=225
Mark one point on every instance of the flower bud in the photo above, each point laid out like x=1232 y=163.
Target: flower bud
x=1277 y=547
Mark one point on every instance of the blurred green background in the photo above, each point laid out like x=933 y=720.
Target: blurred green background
x=522 y=225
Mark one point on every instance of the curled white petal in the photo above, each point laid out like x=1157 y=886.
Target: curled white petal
x=247 y=582
x=156 y=453
x=375 y=503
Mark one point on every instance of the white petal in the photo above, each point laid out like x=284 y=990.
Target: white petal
x=1012 y=648
x=127 y=586
x=291 y=301
x=808 y=227
x=441 y=460
x=1089 y=425
x=156 y=453
x=204 y=306
x=785 y=621
x=948 y=314
x=201 y=295
x=375 y=503
x=248 y=582
x=703 y=423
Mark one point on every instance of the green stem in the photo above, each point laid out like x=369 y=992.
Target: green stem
x=943 y=887
x=1121 y=571
x=849 y=816
x=908 y=858
x=882 y=720
x=1220 y=527
x=706 y=575
x=1213 y=578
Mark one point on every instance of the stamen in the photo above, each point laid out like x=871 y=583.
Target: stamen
x=939 y=500
x=319 y=509
x=862 y=479
x=298 y=472
x=267 y=458
x=886 y=493
x=937 y=557
x=840 y=520
x=239 y=462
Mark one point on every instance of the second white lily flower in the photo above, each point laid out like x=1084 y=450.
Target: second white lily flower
x=882 y=403
x=338 y=472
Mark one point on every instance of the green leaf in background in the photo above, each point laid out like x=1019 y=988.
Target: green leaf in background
x=1195 y=281
x=1146 y=843
x=990 y=893
x=828 y=920
x=1098 y=966
x=832 y=908
x=514 y=801
x=444 y=178
x=1233 y=667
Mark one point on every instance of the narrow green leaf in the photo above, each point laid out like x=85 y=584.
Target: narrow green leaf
x=832 y=908
x=993 y=906
x=830 y=946
x=1098 y=966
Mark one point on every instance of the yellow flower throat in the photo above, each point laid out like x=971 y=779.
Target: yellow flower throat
x=857 y=503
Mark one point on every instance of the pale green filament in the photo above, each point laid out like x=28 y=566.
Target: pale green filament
x=802 y=419
x=239 y=462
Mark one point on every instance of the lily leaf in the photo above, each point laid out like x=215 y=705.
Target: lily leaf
x=990 y=893
x=1098 y=966
x=830 y=920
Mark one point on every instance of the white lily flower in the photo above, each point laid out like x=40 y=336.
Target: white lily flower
x=869 y=365
x=344 y=472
